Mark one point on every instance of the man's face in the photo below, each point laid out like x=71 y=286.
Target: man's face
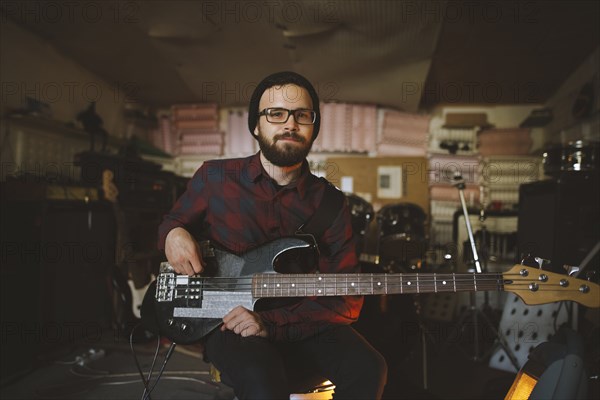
x=284 y=144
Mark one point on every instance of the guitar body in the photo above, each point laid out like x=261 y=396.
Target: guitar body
x=185 y=309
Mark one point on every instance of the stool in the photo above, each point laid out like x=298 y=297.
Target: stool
x=322 y=391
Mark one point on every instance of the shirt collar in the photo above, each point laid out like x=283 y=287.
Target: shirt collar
x=253 y=167
x=255 y=171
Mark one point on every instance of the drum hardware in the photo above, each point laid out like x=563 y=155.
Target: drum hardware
x=361 y=215
x=474 y=311
x=401 y=239
x=576 y=156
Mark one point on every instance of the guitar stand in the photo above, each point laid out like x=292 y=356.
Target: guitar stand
x=474 y=311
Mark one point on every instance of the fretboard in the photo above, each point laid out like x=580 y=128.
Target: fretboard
x=302 y=285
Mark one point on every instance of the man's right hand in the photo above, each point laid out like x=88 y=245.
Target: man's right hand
x=183 y=253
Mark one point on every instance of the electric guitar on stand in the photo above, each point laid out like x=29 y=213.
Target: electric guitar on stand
x=185 y=308
x=131 y=296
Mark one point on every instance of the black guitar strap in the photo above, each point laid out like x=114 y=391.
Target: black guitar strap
x=330 y=206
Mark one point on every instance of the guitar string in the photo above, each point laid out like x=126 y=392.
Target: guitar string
x=243 y=284
x=301 y=279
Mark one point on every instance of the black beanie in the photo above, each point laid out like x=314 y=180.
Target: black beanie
x=280 y=79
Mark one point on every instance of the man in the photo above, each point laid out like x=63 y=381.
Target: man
x=243 y=203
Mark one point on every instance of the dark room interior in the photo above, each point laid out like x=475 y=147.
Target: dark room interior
x=464 y=136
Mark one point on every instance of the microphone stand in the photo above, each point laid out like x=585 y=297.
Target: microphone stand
x=473 y=310
x=459 y=183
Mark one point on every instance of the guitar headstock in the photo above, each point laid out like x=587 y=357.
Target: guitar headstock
x=536 y=286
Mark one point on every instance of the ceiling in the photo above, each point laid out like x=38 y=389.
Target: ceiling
x=411 y=55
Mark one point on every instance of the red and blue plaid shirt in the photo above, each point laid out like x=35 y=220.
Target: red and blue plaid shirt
x=237 y=205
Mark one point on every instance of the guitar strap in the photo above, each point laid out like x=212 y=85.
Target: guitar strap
x=329 y=207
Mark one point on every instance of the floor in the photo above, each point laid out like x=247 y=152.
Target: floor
x=103 y=367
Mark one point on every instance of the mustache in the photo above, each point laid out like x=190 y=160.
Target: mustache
x=289 y=135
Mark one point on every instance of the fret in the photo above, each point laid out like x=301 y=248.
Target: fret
x=290 y=285
x=443 y=280
x=412 y=283
x=335 y=285
x=358 y=284
x=260 y=279
x=378 y=285
x=454 y=281
x=352 y=286
x=434 y=282
x=331 y=285
x=418 y=288
x=386 y=283
x=279 y=285
x=263 y=286
x=347 y=283
x=427 y=283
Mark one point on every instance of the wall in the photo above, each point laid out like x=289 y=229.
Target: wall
x=563 y=128
x=29 y=66
x=364 y=174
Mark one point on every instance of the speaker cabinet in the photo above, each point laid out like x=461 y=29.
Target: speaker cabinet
x=56 y=256
x=558 y=218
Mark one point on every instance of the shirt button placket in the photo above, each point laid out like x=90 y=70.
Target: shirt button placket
x=274 y=221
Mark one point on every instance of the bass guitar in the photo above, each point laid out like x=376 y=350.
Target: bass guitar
x=186 y=308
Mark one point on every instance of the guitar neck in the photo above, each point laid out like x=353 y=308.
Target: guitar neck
x=301 y=285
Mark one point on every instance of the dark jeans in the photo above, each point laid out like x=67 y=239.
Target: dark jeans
x=257 y=368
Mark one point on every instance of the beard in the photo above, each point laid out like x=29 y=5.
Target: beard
x=284 y=154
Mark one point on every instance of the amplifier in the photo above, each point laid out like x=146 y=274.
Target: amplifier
x=140 y=183
x=558 y=218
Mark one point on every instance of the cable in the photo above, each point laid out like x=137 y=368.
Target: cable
x=146 y=381
x=137 y=363
x=162 y=369
x=174 y=378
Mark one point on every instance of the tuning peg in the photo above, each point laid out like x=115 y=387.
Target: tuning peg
x=529 y=261
x=542 y=262
x=590 y=276
x=572 y=270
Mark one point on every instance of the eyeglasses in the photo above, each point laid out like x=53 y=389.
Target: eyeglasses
x=281 y=115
